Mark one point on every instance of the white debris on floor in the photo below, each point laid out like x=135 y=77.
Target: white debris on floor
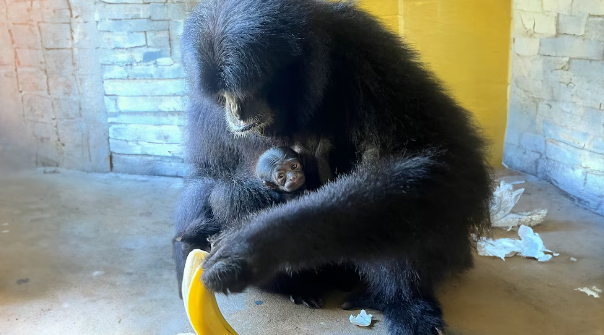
x=504 y=199
x=591 y=291
x=363 y=319
x=529 y=245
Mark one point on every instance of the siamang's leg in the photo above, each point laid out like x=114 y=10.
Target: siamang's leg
x=193 y=222
x=408 y=304
x=206 y=207
x=193 y=219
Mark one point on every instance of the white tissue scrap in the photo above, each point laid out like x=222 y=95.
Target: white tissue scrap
x=504 y=199
x=363 y=319
x=572 y=259
x=521 y=218
x=529 y=245
x=591 y=291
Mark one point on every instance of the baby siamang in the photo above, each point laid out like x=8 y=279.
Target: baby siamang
x=410 y=181
x=280 y=169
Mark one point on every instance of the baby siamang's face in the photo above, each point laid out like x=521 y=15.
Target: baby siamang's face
x=289 y=175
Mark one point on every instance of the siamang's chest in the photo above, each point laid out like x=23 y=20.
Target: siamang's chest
x=329 y=154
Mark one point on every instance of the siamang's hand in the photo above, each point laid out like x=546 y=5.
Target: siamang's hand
x=230 y=267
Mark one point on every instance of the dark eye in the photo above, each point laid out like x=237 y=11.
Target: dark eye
x=280 y=176
x=294 y=166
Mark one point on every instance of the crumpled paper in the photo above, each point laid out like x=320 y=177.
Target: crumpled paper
x=591 y=291
x=504 y=199
x=529 y=245
x=363 y=319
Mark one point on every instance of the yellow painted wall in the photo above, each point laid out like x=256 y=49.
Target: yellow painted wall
x=466 y=43
x=386 y=10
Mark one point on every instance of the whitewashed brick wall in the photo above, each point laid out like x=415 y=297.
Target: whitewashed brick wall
x=51 y=103
x=556 y=112
x=144 y=83
x=94 y=85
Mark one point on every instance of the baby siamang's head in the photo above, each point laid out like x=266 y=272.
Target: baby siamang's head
x=251 y=58
x=281 y=169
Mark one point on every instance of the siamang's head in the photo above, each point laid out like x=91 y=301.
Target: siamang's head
x=281 y=169
x=250 y=56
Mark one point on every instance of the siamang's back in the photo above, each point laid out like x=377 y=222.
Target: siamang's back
x=382 y=92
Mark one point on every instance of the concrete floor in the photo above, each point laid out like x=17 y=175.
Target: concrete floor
x=90 y=254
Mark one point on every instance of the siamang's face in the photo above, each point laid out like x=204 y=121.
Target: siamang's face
x=249 y=62
x=246 y=113
x=289 y=175
x=264 y=104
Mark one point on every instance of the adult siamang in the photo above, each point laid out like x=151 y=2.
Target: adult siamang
x=410 y=181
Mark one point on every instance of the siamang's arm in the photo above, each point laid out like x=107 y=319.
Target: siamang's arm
x=221 y=186
x=208 y=206
x=371 y=210
x=211 y=199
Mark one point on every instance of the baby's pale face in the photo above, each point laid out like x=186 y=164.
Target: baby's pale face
x=289 y=175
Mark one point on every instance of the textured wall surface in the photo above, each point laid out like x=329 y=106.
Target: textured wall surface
x=387 y=11
x=93 y=85
x=52 y=104
x=466 y=43
x=556 y=109
x=144 y=83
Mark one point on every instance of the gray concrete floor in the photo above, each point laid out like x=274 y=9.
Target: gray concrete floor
x=90 y=254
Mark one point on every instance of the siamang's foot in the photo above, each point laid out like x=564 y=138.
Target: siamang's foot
x=419 y=317
x=303 y=288
x=229 y=267
x=360 y=300
x=309 y=301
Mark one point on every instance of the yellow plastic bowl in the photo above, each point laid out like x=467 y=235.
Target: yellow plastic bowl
x=200 y=304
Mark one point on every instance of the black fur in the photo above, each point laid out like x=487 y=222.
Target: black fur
x=411 y=180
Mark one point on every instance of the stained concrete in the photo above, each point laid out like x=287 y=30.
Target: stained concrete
x=90 y=254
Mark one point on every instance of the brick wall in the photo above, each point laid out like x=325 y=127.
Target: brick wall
x=144 y=83
x=94 y=85
x=556 y=107
x=52 y=102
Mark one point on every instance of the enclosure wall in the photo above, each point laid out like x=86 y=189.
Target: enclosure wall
x=556 y=115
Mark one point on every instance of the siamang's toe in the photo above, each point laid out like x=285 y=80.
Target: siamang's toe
x=308 y=301
x=359 y=300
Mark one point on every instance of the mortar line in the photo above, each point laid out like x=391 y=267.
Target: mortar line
x=10 y=32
